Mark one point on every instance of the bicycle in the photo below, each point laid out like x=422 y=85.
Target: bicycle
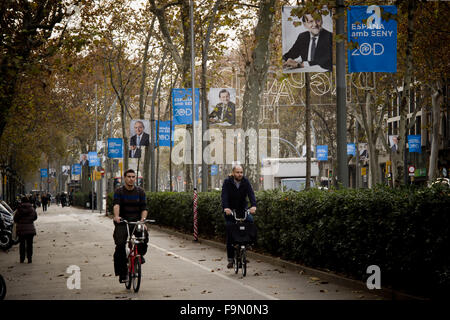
x=242 y=240
x=134 y=258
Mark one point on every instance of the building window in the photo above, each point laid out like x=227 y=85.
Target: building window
x=412 y=102
x=418 y=124
x=390 y=128
x=395 y=128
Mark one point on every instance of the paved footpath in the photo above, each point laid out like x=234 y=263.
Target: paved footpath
x=175 y=268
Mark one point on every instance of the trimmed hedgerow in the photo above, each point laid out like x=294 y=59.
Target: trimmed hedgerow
x=404 y=231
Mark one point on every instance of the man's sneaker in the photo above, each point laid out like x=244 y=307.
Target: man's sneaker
x=230 y=264
x=123 y=278
x=142 y=260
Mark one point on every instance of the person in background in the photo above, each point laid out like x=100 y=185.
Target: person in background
x=24 y=219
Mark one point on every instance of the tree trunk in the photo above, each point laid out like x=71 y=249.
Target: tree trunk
x=254 y=83
x=433 y=171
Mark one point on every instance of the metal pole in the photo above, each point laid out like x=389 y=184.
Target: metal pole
x=341 y=116
x=194 y=172
x=358 y=173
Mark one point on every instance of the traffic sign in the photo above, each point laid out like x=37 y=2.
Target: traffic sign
x=411 y=170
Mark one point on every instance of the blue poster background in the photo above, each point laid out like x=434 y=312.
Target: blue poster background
x=163 y=128
x=214 y=169
x=115 y=148
x=93 y=159
x=322 y=153
x=415 y=143
x=377 y=51
x=351 y=149
x=44 y=173
x=76 y=169
x=182 y=105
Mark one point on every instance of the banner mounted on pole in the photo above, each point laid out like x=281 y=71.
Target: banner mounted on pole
x=415 y=143
x=182 y=105
x=376 y=38
x=115 y=148
x=163 y=128
x=76 y=169
x=44 y=173
x=322 y=153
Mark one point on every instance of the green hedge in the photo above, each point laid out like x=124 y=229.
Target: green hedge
x=80 y=199
x=403 y=231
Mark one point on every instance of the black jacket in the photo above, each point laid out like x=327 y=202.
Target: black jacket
x=235 y=198
x=24 y=218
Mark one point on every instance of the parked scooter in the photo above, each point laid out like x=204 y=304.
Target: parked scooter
x=6 y=228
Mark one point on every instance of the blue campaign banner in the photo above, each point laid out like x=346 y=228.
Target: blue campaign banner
x=182 y=105
x=214 y=169
x=351 y=149
x=376 y=39
x=115 y=148
x=322 y=153
x=93 y=158
x=44 y=173
x=415 y=143
x=163 y=128
x=76 y=169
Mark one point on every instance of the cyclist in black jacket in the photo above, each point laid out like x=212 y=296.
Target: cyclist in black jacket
x=235 y=190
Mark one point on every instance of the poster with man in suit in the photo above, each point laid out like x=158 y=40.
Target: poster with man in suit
x=222 y=106
x=307 y=47
x=140 y=137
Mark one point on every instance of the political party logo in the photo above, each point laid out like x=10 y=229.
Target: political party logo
x=373 y=32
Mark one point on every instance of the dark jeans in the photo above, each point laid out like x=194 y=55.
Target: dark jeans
x=120 y=255
x=26 y=245
x=44 y=207
x=228 y=222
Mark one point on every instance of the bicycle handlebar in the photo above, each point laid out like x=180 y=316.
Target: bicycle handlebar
x=247 y=211
x=137 y=222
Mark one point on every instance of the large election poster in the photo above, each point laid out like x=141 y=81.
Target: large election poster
x=222 y=106
x=182 y=105
x=163 y=139
x=322 y=152
x=373 y=30
x=307 y=42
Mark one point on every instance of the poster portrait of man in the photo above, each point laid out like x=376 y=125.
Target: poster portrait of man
x=84 y=159
x=140 y=137
x=306 y=47
x=393 y=143
x=363 y=152
x=222 y=106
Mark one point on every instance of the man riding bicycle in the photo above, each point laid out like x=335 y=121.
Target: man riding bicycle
x=235 y=190
x=130 y=204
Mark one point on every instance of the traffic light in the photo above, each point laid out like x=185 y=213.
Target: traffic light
x=89 y=176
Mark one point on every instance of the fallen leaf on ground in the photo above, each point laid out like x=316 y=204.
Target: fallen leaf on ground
x=315 y=279
x=324 y=290
x=201 y=260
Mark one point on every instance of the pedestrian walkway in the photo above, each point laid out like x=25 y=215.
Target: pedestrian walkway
x=176 y=268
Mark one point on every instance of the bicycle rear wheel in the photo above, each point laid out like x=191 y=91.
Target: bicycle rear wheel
x=137 y=274
x=244 y=262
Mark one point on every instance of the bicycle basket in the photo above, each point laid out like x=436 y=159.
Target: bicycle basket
x=243 y=233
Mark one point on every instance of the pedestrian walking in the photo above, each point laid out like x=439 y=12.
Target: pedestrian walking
x=24 y=219
x=44 y=201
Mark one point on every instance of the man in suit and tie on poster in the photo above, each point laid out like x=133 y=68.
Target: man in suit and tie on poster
x=84 y=160
x=394 y=144
x=139 y=140
x=224 y=112
x=312 y=47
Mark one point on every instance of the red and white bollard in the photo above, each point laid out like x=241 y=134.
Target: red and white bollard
x=195 y=216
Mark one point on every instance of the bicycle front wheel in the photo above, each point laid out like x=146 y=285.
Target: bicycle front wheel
x=130 y=274
x=244 y=262
x=137 y=274
x=236 y=260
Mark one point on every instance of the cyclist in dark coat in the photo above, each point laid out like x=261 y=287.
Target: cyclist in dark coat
x=24 y=218
x=235 y=190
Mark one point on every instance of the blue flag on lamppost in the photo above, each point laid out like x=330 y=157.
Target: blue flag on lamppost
x=214 y=169
x=93 y=159
x=375 y=36
x=163 y=128
x=415 y=143
x=76 y=169
x=182 y=105
x=322 y=153
x=351 y=149
x=44 y=173
x=115 y=148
